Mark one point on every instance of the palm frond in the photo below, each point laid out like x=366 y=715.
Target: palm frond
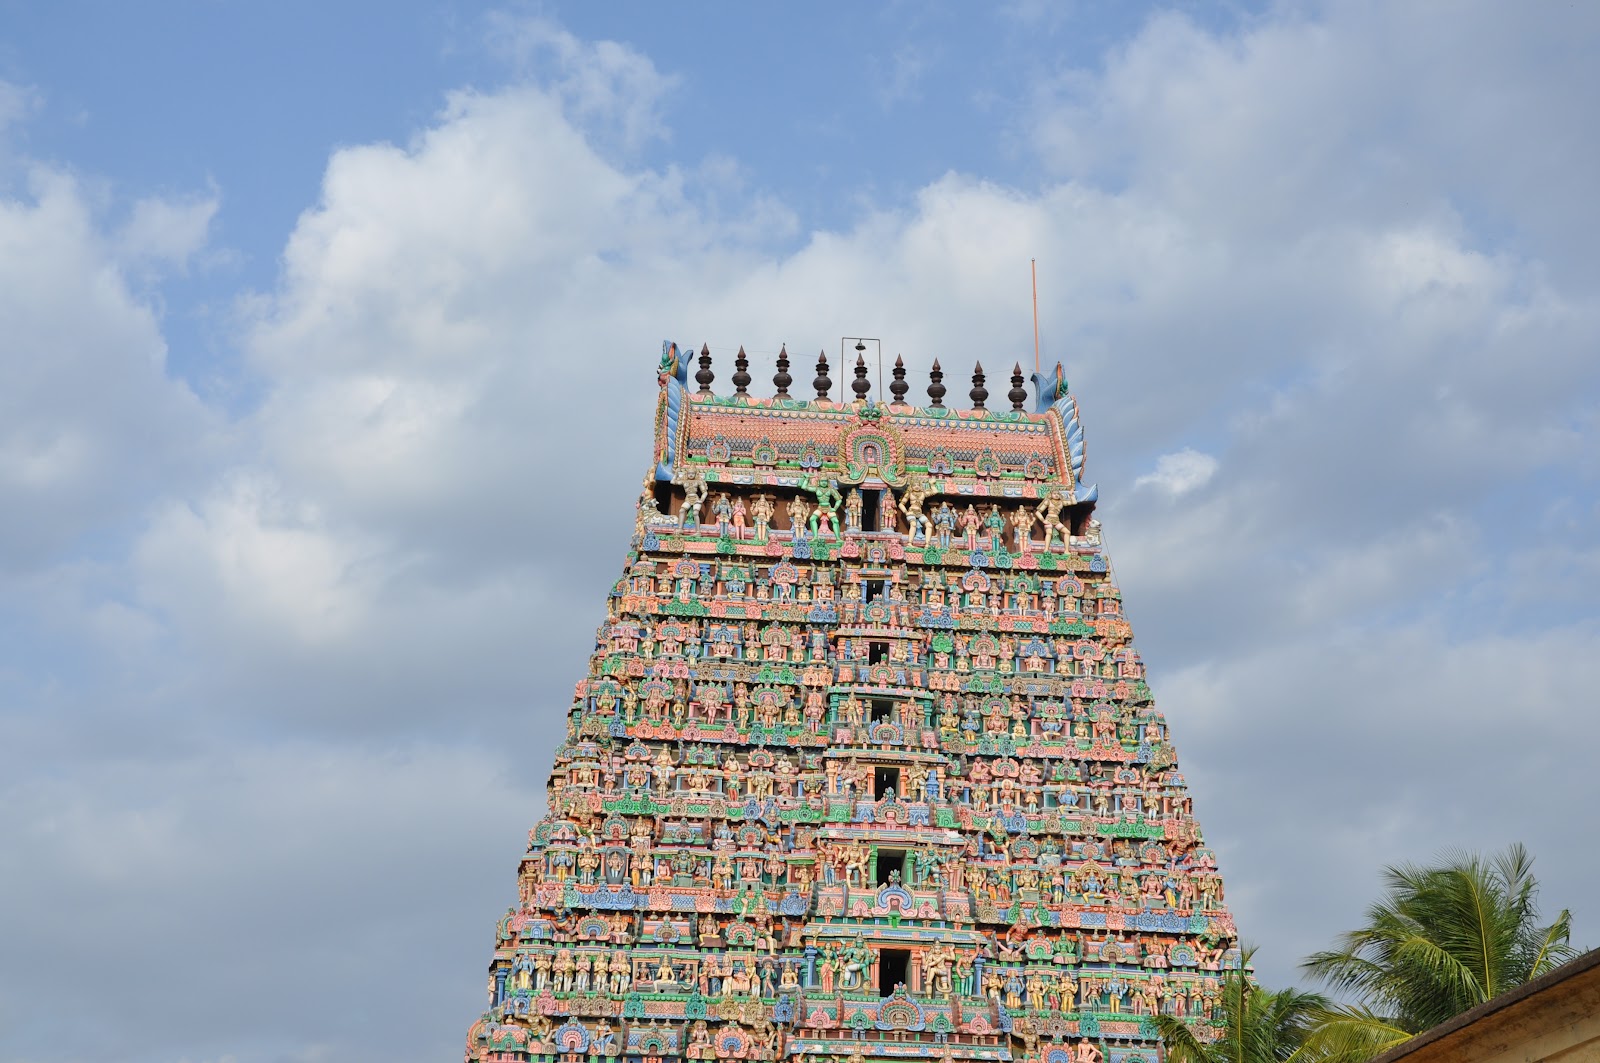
x=1553 y=949
x=1259 y=1025
x=1442 y=973
x=1445 y=938
x=1350 y=1035
x=1182 y=1045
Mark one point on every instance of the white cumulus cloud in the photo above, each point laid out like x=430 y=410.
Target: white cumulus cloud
x=1181 y=472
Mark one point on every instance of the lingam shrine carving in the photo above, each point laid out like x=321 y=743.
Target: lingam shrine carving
x=864 y=765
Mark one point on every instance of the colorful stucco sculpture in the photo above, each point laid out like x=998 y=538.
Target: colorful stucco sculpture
x=864 y=765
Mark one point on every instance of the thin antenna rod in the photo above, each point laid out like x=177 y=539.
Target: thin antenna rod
x=860 y=349
x=1033 y=264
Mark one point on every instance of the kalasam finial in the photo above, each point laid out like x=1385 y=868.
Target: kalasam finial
x=704 y=377
x=781 y=379
x=741 y=373
x=822 y=383
x=898 y=386
x=936 y=388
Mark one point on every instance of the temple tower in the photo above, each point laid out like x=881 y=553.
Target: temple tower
x=864 y=765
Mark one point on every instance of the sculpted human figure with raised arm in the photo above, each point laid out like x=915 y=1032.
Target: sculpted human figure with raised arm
x=1049 y=512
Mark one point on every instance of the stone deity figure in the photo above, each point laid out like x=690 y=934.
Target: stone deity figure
x=1115 y=988
x=854 y=712
x=944 y=519
x=814 y=711
x=1067 y=986
x=1036 y=992
x=852 y=510
x=897 y=601
x=936 y=962
x=917 y=522
x=888 y=514
x=722 y=512
x=541 y=972
x=855 y=868
x=588 y=861
x=916 y=779
x=1022 y=520
x=994 y=526
x=963 y=975
x=827 y=969
x=970 y=522
x=584 y=965
x=761 y=510
x=856 y=959
x=663 y=770
x=1049 y=513
x=825 y=515
x=563 y=971
x=694 y=494
x=700 y=1042
x=797 y=516
x=1150 y=996
x=738 y=518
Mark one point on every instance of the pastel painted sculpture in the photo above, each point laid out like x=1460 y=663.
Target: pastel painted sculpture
x=864 y=765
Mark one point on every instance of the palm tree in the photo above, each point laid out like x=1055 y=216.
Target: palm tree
x=1258 y=1025
x=1442 y=940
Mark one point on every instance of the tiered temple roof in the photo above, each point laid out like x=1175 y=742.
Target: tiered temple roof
x=864 y=764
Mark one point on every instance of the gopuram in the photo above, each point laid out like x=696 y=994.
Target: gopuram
x=864 y=765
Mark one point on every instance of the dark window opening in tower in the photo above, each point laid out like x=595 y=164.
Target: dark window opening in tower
x=869 y=511
x=663 y=495
x=884 y=780
x=1078 y=518
x=882 y=710
x=877 y=652
x=891 y=866
x=892 y=966
x=874 y=589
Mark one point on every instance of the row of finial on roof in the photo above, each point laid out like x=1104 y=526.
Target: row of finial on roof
x=860 y=385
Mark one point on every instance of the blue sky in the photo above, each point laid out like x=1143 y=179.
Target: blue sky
x=834 y=115
x=328 y=336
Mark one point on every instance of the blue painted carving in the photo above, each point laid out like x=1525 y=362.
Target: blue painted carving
x=674 y=371
x=1055 y=397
